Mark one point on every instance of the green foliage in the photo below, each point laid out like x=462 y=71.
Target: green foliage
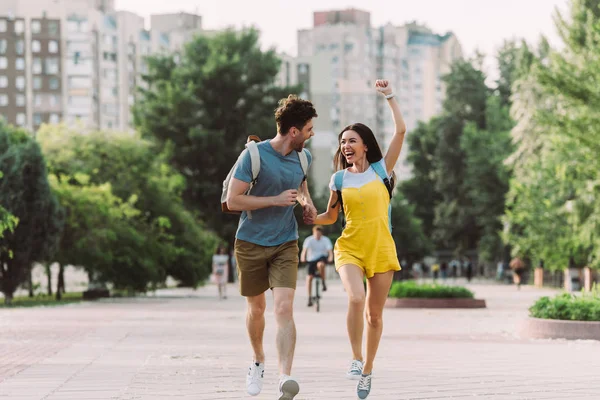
x=25 y=193
x=411 y=289
x=420 y=190
x=566 y=306
x=411 y=242
x=43 y=300
x=205 y=105
x=486 y=176
x=466 y=94
x=160 y=237
x=553 y=207
x=8 y=222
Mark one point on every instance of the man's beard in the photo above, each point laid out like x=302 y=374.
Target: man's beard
x=299 y=146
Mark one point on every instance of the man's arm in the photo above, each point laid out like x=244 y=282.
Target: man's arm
x=310 y=212
x=303 y=195
x=237 y=200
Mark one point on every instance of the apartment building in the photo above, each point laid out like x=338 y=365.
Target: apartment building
x=340 y=58
x=79 y=61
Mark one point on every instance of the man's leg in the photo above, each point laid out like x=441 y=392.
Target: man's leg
x=283 y=274
x=255 y=323
x=283 y=299
x=254 y=281
x=321 y=267
x=309 y=279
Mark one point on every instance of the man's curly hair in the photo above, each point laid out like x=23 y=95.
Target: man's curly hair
x=293 y=112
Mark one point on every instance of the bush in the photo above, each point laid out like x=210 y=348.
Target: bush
x=569 y=307
x=428 y=291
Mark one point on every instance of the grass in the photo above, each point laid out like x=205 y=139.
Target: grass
x=428 y=291
x=568 y=307
x=43 y=300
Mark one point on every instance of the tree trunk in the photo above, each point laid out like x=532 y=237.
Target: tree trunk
x=8 y=299
x=61 y=279
x=30 y=281
x=60 y=282
x=49 y=276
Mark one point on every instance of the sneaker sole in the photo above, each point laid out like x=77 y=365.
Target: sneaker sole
x=289 y=390
x=353 y=377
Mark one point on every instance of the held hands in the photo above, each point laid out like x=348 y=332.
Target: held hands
x=310 y=214
x=383 y=86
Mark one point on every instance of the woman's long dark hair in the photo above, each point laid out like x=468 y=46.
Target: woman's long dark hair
x=374 y=153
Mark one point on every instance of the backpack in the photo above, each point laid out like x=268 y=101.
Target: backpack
x=338 y=180
x=252 y=147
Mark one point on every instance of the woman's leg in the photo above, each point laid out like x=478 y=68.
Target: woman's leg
x=352 y=278
x=378 y=288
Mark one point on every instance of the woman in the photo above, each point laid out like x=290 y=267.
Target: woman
x=366 y=247
x=220 y=270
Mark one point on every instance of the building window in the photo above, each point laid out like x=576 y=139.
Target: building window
x=20 y=64
x=3 y=81
x=54 y=100
x=53 y=46
x=21 y=119
x=2 y=25
x=37 y=119
x=20 y=83
x=36 y=46
x=52 y=66
x=37 y=100
x=3 y=62
x=20 y=47
x=54 y=83
x=53 y=28
x=37 y=82
x=37 y=66
x=3 y=100
x=19 y=27
x=36 y=27
x=3 y=46
x=20 y=100
x=54 y=119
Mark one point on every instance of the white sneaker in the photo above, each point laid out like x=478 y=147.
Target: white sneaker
x=254 y=379
x=355 y=371
x=288 y=388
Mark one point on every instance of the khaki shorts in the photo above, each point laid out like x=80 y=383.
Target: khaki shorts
x=260 y=268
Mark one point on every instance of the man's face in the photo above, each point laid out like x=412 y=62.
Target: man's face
x=318 y=234
x=301 y=136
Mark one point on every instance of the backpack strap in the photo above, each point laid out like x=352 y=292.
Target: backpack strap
x=380 y=170
x=255 y=160
x=338 y=181
x=303 y=162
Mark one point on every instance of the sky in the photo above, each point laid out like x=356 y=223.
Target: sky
x=479 y=24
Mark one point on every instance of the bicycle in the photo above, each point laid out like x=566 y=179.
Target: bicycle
x=317 y=282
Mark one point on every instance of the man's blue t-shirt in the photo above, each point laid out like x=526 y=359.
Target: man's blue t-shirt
x=270 y=226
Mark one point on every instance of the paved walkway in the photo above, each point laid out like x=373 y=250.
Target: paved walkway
x=184 y=344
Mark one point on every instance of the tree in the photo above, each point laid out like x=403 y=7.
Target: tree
x=205 y=104
x=411 y=242
x=486 y=176
x=466 y=94
x=182 y=248
x=26 y=194
x=7 y=220
x=553 y=209
x=420 y=190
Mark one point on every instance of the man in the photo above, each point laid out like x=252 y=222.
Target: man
x=266 y=247
x=318 y=251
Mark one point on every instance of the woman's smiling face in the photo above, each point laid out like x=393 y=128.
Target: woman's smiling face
x=352 y=147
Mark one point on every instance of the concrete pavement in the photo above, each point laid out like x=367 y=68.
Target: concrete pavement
x=185 y=344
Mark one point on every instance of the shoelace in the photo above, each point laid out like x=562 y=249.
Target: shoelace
x=364 y=383
x=255 y=372
x=356 y=366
